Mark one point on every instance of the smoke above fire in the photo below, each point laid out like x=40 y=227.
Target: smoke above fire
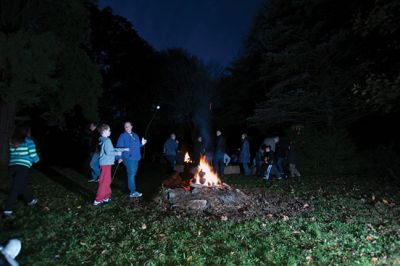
x=202 y=121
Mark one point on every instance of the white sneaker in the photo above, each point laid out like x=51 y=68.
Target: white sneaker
x=97 y=203
x=33 y=202
x=135 y=194
x=107 y=200
x=7 y=213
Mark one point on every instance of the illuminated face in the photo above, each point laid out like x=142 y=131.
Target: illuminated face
x=173 y=136
x=92 y=127
x=218 y=133
x=106 y=133
x=128 y=127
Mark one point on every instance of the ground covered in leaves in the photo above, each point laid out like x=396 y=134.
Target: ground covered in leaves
x=314 y=220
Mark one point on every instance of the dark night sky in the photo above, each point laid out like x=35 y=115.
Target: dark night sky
x=213 y=30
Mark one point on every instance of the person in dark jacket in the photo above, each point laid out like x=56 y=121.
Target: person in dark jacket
x=198 y=150
x=170 y=151
x=218 y=159
x=244 y=156
x=269 y=160
x=292 y=159
x=94 y=152
x=279 y=156
x=258 y=159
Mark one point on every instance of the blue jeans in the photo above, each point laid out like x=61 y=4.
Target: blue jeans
x=272 y=169
x=95 y=166
x=171 y=161
x=131 y=169
x=218 y=163
x=279 y=166
x=246 y=169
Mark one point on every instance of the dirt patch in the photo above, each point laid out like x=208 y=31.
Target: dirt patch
x=238 y=204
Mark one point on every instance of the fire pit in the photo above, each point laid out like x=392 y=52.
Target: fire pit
x=204 y=192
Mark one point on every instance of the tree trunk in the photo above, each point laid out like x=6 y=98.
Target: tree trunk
x=7 y=121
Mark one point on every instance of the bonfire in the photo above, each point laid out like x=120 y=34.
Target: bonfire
x=203 y=191
x=205 y=176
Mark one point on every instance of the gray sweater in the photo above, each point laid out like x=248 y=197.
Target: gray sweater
x=107 y=151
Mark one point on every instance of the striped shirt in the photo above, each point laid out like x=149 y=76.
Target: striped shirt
x=24 y=154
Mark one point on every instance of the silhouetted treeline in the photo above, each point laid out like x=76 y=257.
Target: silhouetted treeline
x=328 y=67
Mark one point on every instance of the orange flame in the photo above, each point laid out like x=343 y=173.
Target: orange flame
x=205 y=175
x=187 y=158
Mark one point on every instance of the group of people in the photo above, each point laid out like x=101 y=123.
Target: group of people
x=272 y=154
x=268 y=160
x=219 y=157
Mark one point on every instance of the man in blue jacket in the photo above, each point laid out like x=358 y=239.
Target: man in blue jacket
x=131 y=158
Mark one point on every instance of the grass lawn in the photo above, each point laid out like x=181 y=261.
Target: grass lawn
x=350 y=221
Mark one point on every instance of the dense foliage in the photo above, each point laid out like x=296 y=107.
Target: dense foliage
x=320 y=62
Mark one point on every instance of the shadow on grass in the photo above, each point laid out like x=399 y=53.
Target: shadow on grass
x=148 y=180
x=67 y=183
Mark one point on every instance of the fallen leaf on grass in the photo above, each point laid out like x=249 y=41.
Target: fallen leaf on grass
x=385 y=201
x=296 y=232
x=144 y=226
x=189 y=258
x=224 y=218
x=46 y=209
x=371 y=227
x=285 y=218
x=374 y=260
x=370 y=237
x=306 y=205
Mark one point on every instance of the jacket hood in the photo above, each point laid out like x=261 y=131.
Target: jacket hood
x=102 y=140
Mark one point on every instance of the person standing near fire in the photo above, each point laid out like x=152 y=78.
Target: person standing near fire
x=244 y=156
x=131 y=158
x=170 y=150
x=218 y=159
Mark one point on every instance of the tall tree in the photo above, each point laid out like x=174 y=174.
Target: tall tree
x=312 y=61
x=187 y=91
x=129 y=66
x=305 y=49
x=378 y=29
x=44 y=64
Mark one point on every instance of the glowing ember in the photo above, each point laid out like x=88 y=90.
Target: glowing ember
x=205 y=176
x=187 y=158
